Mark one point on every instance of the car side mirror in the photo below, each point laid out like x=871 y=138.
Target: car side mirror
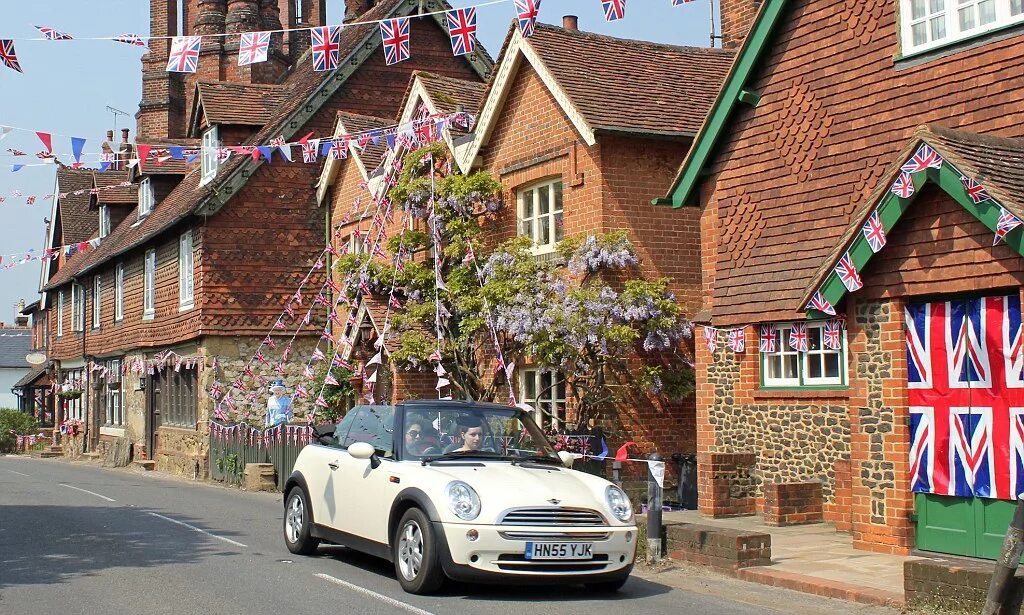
x=364 y=450
x=567 y=458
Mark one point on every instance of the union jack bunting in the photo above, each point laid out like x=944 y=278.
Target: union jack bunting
x=925 y=158
x=769 y=335
x=279 y=324
x=331 y=380
x=321 y=402
x=462 y=30
x=613 y=9
x=131 y=39
x=874 y=232
x=53 y=35
x=8 y=56
x=435 y=356
x=737 y=340
x=903 y=187
x=818 y=302
x=1006 y=223
x=253 y=48
x=395 y=34
x=711 y=338
x=339 y=149
x=798 y=337
x=342 y=363
x=526 y=12
x=318 y=355
x=307 y=372
x=833 y=334
x=309 y=151
x=965 y=362
x=680 y=2
x=848 y=274
x=394 y=302
x=301 y=392
x=259 y=357
x=184 y=54
x=326 y=47
x=974 y=190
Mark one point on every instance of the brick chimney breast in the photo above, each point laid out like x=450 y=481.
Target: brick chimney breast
x=737 y=17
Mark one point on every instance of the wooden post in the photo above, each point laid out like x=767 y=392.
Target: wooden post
x=1001 y=586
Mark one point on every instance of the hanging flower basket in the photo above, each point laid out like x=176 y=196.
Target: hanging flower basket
x=70 y=394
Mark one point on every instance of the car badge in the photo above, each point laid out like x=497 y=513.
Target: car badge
x=555 y=502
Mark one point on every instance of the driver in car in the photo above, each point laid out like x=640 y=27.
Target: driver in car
x=471 y=429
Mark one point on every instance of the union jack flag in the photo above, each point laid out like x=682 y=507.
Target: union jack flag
x=309 y=150
x=339 y=149
x=184 y=54
x=331 y=380
x=833 y=334
x=435 y=356
x=965 y=386
x=737 y=340
x=903 y=187
x=818 y=302
x=462 y=30
x=848 y=274
x=394 y=302
x=342 y=363
x=1006 y=223
x=326 y=47
x=680 y=2
x=301 y=392
x=8 y=56
x=798 y=337
x=253 y=48
x=768 y=337
x=974 y=190
x=279 y=324
x=318 y=355
x=711 y=338
x=613 y=9
x=321 y=402
x=925 y=158
x=395 y=34
x=259 y=357
x=131 y=39
x=53 y=35
x=874 y=232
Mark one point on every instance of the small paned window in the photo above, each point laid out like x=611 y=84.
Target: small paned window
x=818 y=360
x=119 y=292
x=539 y=215
x=186 y=297
x=929 y=24
x=210 y=159
x=97 y=300
x=544 y=390
x=146 y=197
x=149 y=291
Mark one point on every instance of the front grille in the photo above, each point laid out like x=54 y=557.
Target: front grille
x=553 y=516
x=555 y=536
x=517 y=562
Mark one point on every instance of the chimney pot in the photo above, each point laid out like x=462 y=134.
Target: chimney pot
x=571 y=22
x=124 y=135
x=110 y=136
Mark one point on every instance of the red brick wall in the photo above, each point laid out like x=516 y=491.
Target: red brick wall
x=736 y=19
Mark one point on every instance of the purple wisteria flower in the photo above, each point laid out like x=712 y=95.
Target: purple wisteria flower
x=591 y=256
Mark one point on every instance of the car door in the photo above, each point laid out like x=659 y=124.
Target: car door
x=363 y=494
x=318 y=463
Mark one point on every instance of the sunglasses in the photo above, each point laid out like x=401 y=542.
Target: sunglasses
x=414 y=433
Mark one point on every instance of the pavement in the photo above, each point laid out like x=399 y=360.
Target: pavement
x=814 y=558
x=77 y=538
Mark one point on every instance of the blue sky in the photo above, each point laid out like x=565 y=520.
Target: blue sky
x=68 y=85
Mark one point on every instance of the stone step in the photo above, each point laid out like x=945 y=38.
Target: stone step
x=91 y=456
x=146 y=464
x=723 y=548
x=47 y=453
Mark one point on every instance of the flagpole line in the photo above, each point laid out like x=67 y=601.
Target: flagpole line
x=240 y=34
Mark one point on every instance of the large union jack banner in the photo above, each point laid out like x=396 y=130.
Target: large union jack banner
x=965 y=372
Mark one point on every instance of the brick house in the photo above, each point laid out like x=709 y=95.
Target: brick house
x=183 y=289
x=813 y=151
x=598 y=154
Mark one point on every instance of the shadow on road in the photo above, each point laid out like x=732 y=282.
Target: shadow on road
x=42 y=545
x=513 y=592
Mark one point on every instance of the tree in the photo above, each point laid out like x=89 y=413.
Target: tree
x=593 y=319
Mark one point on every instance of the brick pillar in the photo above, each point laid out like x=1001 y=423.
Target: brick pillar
x=839 y=510
x=736 y=18
x=161 y=111
x=726 y=486
x=793 y=503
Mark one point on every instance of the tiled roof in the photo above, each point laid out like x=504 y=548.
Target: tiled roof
x=354 y=123
x=447 y=93
x=77 y=221
x=14 y=346
x=32 y=376
x=630 y=85
x=239 y=103
x=115 y=196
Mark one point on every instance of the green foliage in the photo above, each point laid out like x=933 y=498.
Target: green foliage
x=339 y=397
x=231 y=465
x=17 y=421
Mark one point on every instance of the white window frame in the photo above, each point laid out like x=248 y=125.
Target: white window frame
x=356 y=246
x=186 y=272
x=104 y=221
x=146 y=197
x=551 y=396
x=210 y=158
x=77 y=308
x=949 y=14
x=113 y=391
x=119 y=292
x=60 y=313
x=552 y=219
x=801 y=380
x=97 y=300
x=149 y=286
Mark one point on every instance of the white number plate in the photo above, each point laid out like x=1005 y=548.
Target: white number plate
x=559 y=550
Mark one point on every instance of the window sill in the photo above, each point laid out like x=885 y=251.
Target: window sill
x=112 y=431
x=802 y=393
x=148 y=315
x=184 y=307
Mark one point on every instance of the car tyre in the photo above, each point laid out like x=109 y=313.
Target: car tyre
x=417 y=561
x=298 y=519
x=608 y=587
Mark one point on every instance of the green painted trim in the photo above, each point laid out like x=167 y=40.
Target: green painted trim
x=891 y=208
x=717 y=121
x=843 y=386
x=661 y=201
x=749 y=97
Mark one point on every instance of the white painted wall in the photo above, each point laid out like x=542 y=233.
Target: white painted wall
x=8 y=376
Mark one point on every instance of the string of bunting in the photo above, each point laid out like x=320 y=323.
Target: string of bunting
x=31 y=199
x=30 y=439
x=8 y=261
x=325 y=41
x=770 y=336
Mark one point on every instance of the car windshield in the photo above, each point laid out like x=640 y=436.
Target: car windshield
x=479 y=432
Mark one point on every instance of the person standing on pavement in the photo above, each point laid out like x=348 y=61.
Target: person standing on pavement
x=279 y=406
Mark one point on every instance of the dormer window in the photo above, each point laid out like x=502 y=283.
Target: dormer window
x=104 y=221
x=210 y=158
x=146 y=198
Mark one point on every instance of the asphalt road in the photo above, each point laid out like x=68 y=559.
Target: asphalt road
x=80 y=539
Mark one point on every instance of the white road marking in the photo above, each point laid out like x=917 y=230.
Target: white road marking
x=18 y=473
x=87 y=491
x=200 y=530
x=391 y=601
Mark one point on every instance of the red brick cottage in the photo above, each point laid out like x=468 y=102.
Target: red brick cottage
x=598 y=154
x=200 y=266
x=859 y=158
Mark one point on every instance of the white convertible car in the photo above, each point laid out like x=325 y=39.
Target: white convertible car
x=459 y=490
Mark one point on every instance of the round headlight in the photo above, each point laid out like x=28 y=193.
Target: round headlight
x=619 y=504
x=462 y=500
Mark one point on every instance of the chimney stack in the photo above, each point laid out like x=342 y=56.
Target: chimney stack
x=161 y=112
x=571 y=23
x=736 y=18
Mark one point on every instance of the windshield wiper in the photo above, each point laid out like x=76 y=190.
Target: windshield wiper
x=465 y=455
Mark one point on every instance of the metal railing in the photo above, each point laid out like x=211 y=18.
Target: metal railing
x=233 y=445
